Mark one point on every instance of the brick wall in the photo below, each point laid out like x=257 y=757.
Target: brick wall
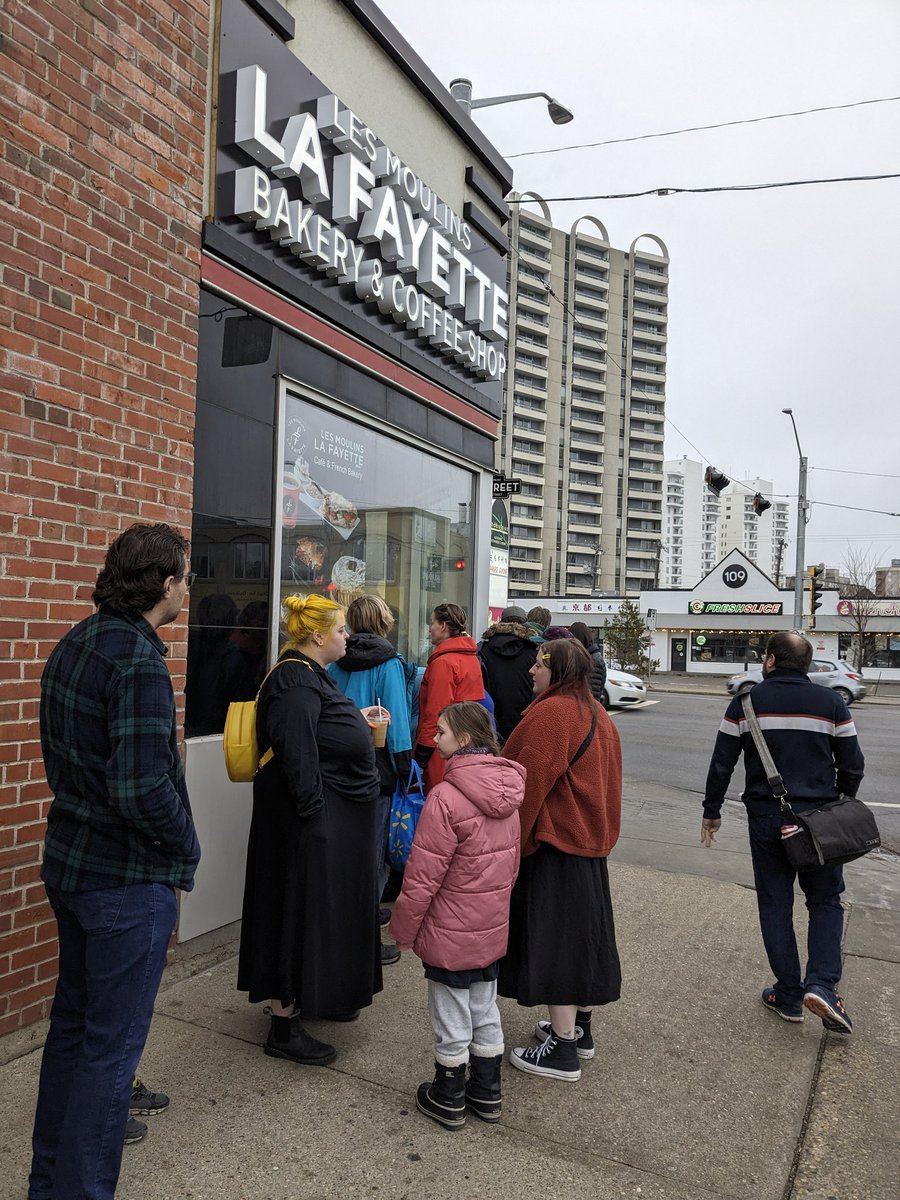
x=102 y=134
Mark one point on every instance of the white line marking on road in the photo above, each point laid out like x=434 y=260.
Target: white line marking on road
x=880 y=804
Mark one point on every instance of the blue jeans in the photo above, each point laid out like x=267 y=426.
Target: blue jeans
x=112 y=950
x=822 y=888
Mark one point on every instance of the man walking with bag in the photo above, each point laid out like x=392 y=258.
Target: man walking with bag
x=120 y=839
x=812 y=739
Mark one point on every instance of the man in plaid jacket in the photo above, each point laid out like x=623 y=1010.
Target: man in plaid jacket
x=120 y=840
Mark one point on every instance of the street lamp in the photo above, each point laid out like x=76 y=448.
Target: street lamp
x=802 y=509
x=461 y=91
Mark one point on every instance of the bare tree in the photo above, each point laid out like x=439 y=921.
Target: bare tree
x=858 y=593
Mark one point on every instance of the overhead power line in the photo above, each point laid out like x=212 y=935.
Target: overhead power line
x=730 y=187
x=641 y=137
x=844 y=471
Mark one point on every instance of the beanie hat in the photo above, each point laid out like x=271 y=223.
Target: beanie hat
x=513 y=613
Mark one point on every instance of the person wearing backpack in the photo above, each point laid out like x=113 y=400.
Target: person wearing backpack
x=372 y=672
x=453 y=911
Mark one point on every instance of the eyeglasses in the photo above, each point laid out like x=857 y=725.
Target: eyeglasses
x=189 y=579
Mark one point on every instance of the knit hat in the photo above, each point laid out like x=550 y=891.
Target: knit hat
x=553 y=632
x=513 y=613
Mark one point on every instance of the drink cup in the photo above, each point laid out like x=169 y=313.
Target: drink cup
x=379 y=719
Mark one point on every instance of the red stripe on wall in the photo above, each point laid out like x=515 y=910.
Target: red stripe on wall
x=236 y=286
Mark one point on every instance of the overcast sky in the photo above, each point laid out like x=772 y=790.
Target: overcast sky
x=787 y=297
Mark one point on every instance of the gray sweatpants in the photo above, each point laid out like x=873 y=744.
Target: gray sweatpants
x=464 y=1020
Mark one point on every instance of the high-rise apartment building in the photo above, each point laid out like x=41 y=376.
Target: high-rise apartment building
x=887 y=579
x=761 y=537
x=584 y=405
x=691 y=525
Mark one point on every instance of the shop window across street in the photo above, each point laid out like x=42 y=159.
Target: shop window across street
x=728 y=647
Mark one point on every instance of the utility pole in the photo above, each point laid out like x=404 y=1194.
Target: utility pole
x=778 y=563
x=802 y=507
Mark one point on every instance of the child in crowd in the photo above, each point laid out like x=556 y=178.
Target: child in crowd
x=453 y=911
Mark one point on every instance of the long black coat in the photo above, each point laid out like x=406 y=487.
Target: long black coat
x=507 y=655
x=310 y=929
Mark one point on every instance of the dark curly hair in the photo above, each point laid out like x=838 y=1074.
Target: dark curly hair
x=137 y=565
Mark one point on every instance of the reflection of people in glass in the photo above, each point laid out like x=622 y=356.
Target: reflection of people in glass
x=453 y=673
x=309 y=937
x=244 y=662
x=205 y=701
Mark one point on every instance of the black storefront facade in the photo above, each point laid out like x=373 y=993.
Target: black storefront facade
x=351 y=351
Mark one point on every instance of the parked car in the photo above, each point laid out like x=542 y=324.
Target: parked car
x=825 y=671
x=622 y=689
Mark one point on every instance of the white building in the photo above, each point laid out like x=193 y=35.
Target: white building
x=691 y=524
x=762 y=537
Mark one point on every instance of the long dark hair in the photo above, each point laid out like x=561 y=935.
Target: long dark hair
x=570 y=667
x=137 y=565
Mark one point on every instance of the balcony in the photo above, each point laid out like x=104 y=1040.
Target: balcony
x=535 y=409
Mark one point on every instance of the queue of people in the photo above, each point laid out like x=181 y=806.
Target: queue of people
x=506 y=890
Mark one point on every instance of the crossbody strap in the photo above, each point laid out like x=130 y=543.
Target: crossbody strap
x=587 y=741
x=773 y=776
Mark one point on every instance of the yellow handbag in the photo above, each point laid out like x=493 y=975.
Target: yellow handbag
x=239 y=744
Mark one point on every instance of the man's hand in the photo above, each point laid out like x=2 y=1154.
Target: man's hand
x=708 y=829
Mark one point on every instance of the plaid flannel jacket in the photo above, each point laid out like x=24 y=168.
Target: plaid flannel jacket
x=120 y=813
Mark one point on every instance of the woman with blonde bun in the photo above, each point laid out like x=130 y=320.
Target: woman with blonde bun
x=310 y=942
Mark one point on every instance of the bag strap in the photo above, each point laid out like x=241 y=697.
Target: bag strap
x=270 y=753
x=773 y=777
x=587 y=741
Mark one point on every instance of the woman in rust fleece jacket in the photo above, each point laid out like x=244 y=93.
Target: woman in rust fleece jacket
x=562 y=939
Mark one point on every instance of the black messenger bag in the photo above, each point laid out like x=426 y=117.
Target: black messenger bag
x=836 y=833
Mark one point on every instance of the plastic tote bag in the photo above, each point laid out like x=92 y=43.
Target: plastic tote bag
x=406 y=804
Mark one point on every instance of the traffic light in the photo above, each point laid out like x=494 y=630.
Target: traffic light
x=760 y=504
x=815 y=594
x=459 y=564
x=715 y=480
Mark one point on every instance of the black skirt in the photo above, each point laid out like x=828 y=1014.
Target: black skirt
x=309 y=932
x=562 y=938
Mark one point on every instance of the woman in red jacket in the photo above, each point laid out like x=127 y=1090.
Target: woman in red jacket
x=453 y=673
x=562 y=940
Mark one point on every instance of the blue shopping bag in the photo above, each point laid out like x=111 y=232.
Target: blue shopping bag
x=406 y=804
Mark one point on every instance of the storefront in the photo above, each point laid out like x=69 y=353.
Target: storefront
x=721 y=625
x=352 y=346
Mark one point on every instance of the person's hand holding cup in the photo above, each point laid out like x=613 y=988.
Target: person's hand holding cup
x=378 y=719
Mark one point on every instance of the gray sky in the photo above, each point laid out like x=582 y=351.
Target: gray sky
x=788 y=297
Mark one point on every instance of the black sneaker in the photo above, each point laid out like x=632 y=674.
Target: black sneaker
x=135 y=1131
x=556 y=1058
x=780 y=1008
x=389 y=954
x=144 y=1101
x=830 y=1007
x=584 y=1039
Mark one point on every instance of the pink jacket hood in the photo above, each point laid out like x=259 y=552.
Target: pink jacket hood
x=454 y=906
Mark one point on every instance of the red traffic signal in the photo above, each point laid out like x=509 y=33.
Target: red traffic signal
x=459 y=564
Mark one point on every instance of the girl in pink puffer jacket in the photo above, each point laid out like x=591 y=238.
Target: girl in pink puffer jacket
x=454 y=911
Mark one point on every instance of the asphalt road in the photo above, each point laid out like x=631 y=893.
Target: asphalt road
x=670 y=743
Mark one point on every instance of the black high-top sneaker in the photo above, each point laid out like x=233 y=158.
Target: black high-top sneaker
x=583 y=1037
x=483 y=1087
x=288 y=1039
x=556 y=1058
x=444 y=1100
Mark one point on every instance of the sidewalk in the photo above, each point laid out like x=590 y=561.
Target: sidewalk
x=696 y=1091
x=714 y=685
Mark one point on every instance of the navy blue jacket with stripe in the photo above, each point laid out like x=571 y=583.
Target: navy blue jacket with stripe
x=810 y=735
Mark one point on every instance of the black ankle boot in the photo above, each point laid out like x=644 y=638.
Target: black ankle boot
x=288 y=1039
x=483 y=1087
x=444 y=1100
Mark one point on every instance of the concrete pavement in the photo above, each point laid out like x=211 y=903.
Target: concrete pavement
x=696 y=1091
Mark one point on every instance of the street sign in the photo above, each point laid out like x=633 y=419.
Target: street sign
x=506 y=487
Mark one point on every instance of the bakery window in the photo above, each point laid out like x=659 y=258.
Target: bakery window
x=363 y=510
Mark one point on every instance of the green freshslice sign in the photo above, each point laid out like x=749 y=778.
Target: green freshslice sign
x=746 y=608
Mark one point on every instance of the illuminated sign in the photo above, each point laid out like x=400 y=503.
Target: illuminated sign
x=730 y=607
x=362 y=217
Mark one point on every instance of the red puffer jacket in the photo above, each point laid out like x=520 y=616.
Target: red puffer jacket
x=454 y=906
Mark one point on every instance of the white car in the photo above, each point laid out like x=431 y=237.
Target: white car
x=622 y=689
